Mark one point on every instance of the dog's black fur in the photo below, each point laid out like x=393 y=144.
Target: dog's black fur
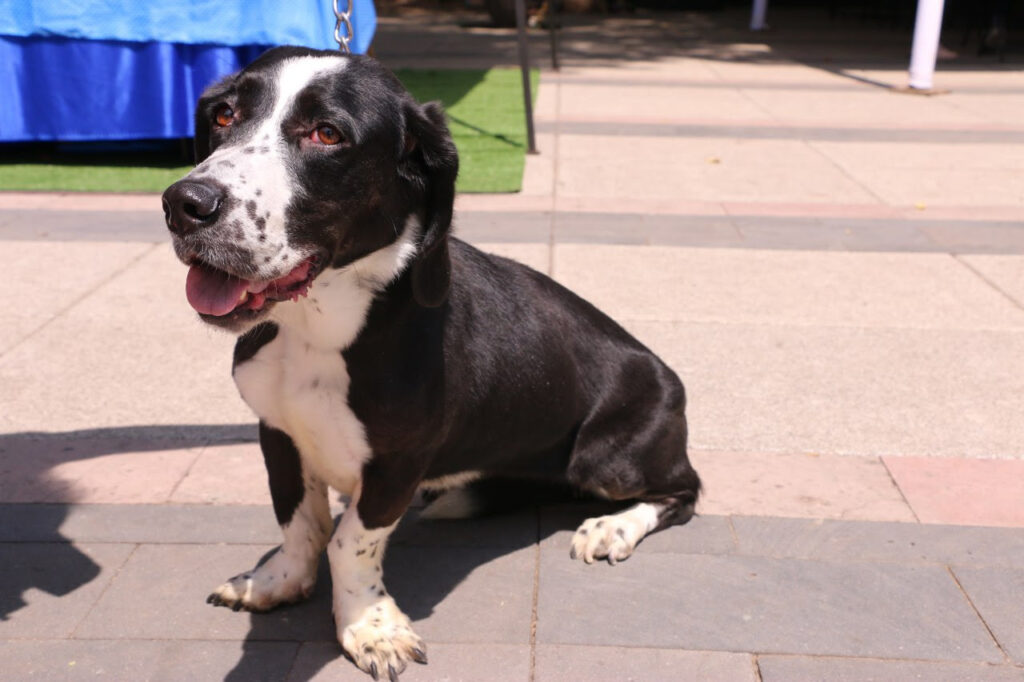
x=466 y=362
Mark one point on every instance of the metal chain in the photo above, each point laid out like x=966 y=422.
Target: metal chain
x=343 y=19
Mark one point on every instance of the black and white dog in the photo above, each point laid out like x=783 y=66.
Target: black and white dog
x=382 y=355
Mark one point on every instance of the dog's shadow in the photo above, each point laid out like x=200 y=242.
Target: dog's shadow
x=426 y=563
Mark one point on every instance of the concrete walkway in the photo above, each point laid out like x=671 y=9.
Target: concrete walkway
x=836 y=272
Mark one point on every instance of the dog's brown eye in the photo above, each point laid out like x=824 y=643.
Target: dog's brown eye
x=224 y=115
x=328 y=135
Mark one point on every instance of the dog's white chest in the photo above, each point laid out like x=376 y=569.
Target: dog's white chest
x=298 y=383
x=303 y=391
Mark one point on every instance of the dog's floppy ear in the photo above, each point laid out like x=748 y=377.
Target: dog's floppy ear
x=429 y=148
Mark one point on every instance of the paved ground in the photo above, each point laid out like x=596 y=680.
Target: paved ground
x=836 y=271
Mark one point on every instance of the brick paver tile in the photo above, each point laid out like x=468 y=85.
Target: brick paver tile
x=984 y=492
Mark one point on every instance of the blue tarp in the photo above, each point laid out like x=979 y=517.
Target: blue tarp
x=113 y=69
x=192 y=22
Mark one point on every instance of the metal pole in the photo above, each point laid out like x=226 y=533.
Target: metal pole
x=554 y=23
x=927 y=27
x=524 y=65
x=757 y=13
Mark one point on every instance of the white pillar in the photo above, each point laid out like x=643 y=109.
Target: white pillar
x=757 y=15
x=927 y=28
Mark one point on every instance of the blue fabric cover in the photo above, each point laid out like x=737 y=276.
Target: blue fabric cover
x=222 y=22
x=60 y=89
x=119 y=70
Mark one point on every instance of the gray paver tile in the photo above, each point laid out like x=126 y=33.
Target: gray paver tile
x=773 y=234
x=503 y=226
x=805 y=669
x=637 y=228
x=996 y=593
x=978 y=238
x=323 y=662
x=47 y=589
x=463 y=594
x=879 y=541
x=233 y=524
x=139 y=523
x=173 y=581
x=93 y=226
x=832 y=233
x=885 y=235
x=152 y=661
x=562 y=662
x=702 y=535
x=500 y=531
x=531 y=254
x=451 y=594
x=758 y=604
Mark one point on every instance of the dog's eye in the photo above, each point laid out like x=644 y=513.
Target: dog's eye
x=224 y=115
x=327 y=135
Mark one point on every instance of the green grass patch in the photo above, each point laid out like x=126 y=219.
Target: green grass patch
x=485 y=114
x=75 y=176
x=485 y=110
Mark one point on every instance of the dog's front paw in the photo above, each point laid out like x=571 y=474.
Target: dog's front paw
x=613 y=537
x=280 y=580
x=380 y=640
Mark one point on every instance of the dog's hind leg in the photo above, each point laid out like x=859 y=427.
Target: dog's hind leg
x=632 y=448
x=615 y=536
x=300 y=503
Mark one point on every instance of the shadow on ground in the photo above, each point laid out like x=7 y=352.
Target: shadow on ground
x=426 y=562
x=26 y=462
x=836 y=41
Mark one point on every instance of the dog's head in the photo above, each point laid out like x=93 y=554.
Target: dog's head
x=308 y=160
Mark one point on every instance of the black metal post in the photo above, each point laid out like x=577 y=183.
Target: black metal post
x=524 y=65
x=554 y=23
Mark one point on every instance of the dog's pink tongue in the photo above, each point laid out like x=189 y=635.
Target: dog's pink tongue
x=213 y=292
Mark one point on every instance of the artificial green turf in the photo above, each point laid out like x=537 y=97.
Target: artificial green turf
x=485 y=115
x=485 y=109
x=79 y=177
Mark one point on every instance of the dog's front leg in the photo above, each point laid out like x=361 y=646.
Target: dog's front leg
x=300 y=503
x=371 y=628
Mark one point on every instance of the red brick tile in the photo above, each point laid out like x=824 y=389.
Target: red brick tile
x=983 y=492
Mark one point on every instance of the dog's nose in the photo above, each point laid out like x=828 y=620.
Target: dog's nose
x=190 y=205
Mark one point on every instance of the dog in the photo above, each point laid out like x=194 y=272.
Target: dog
x=383 y=356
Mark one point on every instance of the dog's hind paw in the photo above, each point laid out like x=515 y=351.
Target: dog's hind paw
x=381 y=641
x=615 y=536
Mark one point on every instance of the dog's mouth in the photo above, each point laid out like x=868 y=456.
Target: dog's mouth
x=215 y=292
